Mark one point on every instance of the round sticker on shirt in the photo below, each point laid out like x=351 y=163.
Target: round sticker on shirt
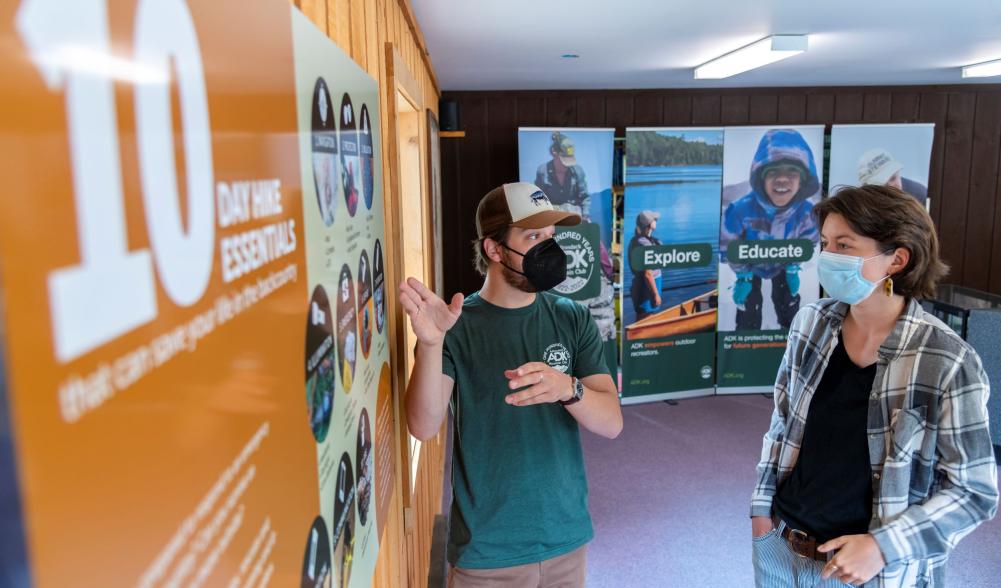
x=557 y=356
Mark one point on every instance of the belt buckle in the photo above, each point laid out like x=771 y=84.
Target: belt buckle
x=799 y=542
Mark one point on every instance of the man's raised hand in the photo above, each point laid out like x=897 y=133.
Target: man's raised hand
x=429 y=316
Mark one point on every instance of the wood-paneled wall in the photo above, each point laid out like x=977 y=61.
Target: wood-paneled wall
x=964 y=183
x=362 y=28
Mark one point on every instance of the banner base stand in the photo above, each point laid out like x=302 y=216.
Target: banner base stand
x=746 y=390
x=667 y=396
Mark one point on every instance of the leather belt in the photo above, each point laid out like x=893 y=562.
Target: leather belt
x=800 y=542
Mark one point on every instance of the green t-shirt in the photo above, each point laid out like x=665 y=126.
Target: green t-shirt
x=520 y=490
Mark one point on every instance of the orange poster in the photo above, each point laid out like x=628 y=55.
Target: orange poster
x=179 y=378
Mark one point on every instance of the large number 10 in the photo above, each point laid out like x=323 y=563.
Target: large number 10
x=112 y=290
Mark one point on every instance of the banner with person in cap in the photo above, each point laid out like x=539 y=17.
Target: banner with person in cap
x=671 y=231
x=885 y=155
x=768 y=241
x=573 y=167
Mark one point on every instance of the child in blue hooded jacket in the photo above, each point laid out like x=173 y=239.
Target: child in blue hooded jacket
x=783 y=177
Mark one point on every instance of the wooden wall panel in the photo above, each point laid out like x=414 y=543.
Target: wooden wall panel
x=677 y=111
x=561 y=111
x=995 y=271
x=983 y=191
x=848 y=107
x=706 y=109
x=956 y=179
x=792 y=109
x=531 y=112
x=648 y=110
x=316 y=11
x=904 y=107
x=876 y=108
x=933 y=108
x=735 y=109
x=619 y=111
x=502 y=114
x=763 y=109
x=591 y=111
x=964 y=175
x=820 y=108
x=362 y=28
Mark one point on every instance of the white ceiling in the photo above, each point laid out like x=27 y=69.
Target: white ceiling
x=516 y=44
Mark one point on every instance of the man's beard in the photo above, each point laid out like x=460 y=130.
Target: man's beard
x=514 y=279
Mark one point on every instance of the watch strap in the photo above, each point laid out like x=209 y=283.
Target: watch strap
x=578 y=393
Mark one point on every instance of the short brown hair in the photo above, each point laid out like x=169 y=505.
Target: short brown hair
x=480 y=260
x=893 y=219
x=493 y=220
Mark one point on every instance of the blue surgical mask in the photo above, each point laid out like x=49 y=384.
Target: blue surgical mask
x=841 y=277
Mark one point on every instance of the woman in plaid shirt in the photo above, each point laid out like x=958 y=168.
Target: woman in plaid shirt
x=878 y=459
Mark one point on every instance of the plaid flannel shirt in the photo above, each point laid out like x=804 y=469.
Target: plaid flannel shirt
x=933 y=470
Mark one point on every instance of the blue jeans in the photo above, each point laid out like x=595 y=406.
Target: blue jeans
x=776 y=566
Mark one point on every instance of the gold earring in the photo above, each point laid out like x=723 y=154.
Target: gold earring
x=888 y=287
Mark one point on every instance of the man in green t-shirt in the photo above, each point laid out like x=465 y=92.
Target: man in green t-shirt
x=521 y=368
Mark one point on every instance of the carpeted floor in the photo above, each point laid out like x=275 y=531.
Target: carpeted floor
x=669 y=499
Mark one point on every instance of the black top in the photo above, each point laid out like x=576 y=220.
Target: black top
x=829 y=492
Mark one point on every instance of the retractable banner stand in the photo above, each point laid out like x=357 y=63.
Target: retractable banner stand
x=574 y=169
x=772 y=178
x=196 y=366
x=670 y=262
x=892 y=155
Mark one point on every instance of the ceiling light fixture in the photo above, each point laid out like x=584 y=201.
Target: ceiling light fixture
x=757 y=54
x=570 y=56
x=983 y=70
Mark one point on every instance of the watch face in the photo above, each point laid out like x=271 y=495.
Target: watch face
x=578 y=392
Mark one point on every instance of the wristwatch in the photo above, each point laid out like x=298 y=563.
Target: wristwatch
x=578 y=393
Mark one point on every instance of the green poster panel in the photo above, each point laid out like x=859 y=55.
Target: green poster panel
x=668 y=367
x=670 y=262
x=748 y=360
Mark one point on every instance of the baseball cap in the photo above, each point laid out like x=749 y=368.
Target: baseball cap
x=563 y=146
x=877 y=166
x=522 y=205
x=646 y=217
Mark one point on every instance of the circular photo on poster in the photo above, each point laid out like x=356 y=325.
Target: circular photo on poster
x=367 y=157
x=350 y=172
x=379 y=287
x=325 y=159
x=320 y=364
x=316 y=572
x=347 y=327
x=344 y=511
x=366 y=308
x=365 y=462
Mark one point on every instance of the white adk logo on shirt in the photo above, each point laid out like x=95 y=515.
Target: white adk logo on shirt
x=557 y=356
